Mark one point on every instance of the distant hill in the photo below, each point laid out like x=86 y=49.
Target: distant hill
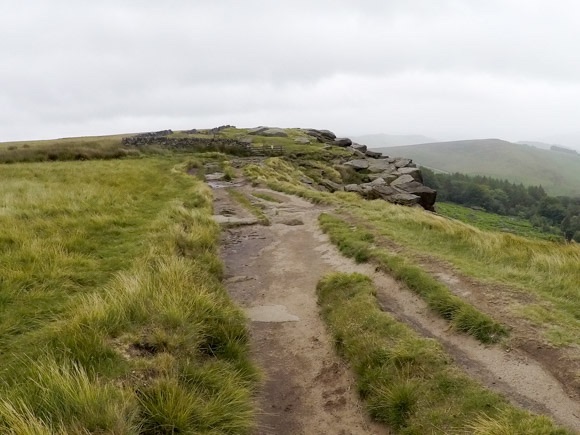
x=535 y=143
x=391 y=140
x=558 y=173
x=560 y=149
x=568 y=140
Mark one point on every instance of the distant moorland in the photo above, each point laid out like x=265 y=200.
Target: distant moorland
x=557 y=172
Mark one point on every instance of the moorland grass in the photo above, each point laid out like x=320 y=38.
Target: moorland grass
x=82 y=148
x=282 y=176
x=546 y=269
x=114 y=318
x=358 y=244
x=408 y=382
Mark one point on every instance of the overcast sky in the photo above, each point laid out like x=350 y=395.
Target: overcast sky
x=446 y=69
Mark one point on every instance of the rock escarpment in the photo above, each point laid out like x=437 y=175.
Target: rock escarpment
x=394 y=179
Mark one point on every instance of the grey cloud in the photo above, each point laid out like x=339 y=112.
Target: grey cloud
x=449 y=68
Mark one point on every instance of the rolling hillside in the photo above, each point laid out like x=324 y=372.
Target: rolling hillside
x=391 y=140
x=558 y=173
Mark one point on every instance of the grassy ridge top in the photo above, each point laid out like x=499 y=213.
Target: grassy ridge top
x=558 y=173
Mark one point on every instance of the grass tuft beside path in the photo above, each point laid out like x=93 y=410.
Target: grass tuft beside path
x=408 y=382
x=358 y=244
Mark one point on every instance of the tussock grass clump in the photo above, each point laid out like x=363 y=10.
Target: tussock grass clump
x=407 y=381
x=282 y=176
x=124 y=326
x=229 y=172
x=358 y=244
x=248 y=205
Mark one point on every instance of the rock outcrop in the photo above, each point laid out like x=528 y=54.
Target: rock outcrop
x=268 y=132
x=396 y=180
x=393 y=179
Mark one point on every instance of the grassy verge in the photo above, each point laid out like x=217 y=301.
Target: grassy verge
x=546 y=269
x=358 y=244
x=282 y=176
x=408 y=382
x=114 y=319
x=267 y=197
x=245 y=201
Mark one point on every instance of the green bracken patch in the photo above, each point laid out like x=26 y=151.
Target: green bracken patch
x=407 y=381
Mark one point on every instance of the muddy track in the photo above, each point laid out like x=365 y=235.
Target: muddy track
x=272 y=273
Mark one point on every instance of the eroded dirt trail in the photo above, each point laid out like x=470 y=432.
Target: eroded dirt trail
x=272 y=273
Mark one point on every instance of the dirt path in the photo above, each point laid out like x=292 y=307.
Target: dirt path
x=272 y=273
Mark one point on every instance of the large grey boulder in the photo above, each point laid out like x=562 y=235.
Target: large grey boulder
x=274 y=132
x=257 y=130
x=368 y=192
x=302 y=140
x=358 y=164
x=401 y=163
x=325 y=136
x=359 y=147
x=385 y=192
x=413 y=172
x=380 y=165
x=378 y=182
x=268 y=131
x=407 y=199
x=342 y=142
x=389 y=178
x=353 y=188
x=373 y=154
x=427 y=195
x=331 y=185
x=402 y=180
x=327 y=133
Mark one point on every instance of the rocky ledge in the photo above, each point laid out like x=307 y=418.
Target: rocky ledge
x=394 y=179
